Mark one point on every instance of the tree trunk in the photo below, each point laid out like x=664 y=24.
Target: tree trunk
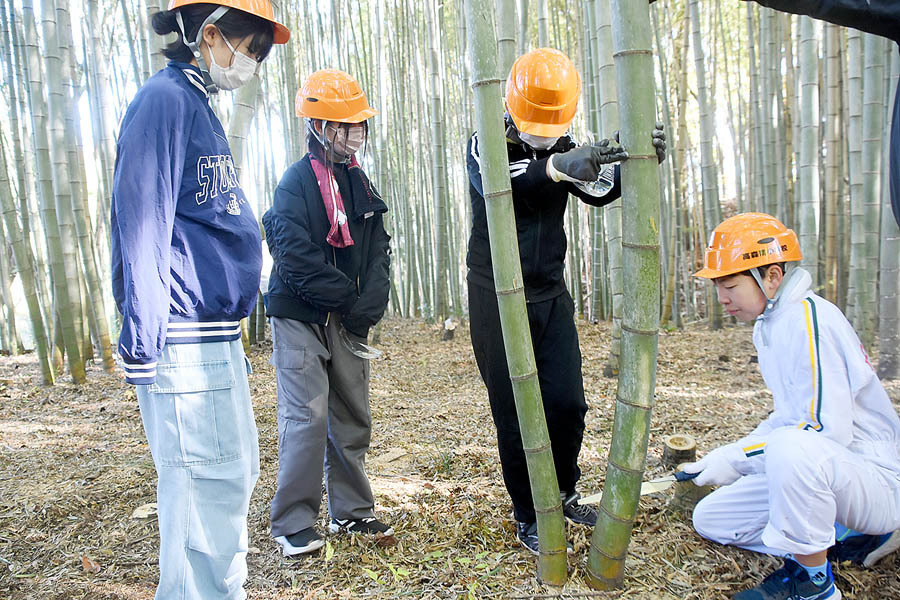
x=809 y=148
x=510 y=294
x=873 y=132
x=889 y=273
x=640 y=259
x=711 y=209
x=25 y=266
x=66 y=275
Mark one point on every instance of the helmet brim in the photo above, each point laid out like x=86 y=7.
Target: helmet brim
x=282 y=33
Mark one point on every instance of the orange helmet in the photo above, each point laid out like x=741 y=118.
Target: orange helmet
x=747 y=241
x=333 y=95
x=542 y=92
x=259 y=8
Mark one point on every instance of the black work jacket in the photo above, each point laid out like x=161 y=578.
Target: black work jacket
x=540 y=208
x=881 y=17
x=310 y=277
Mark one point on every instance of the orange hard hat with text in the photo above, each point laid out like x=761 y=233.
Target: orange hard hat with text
x=542 y=92
x=333 y=95
x=747 y=241
x=259 y=8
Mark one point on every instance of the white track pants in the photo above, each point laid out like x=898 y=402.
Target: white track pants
x=810 y=483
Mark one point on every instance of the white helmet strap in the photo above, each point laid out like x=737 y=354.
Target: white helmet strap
x=194 y=45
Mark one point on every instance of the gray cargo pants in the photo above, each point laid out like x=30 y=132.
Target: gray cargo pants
x=323 y=422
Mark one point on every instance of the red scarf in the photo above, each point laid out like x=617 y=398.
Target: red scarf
x=339 y=234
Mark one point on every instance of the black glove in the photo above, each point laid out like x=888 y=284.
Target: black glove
x=659 y=141
x=657 y=138
x=584 y=162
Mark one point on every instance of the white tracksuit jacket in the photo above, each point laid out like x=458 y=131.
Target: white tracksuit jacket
x=830 y=449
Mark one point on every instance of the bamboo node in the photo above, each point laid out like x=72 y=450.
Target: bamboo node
x=481 y=82
x=631 y=53
x=639 y=331
x=638 y=472
x=595 y=547
x=640 y=246
x=541 y=448
x=510 y=291
x=547 y=511
x=523 y=377
x=633 y=404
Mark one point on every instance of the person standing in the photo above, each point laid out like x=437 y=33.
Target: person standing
x=186 y=262
x=545 y=166
x=329 y=285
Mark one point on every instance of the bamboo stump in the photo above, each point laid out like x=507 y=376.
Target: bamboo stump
x=679 y=448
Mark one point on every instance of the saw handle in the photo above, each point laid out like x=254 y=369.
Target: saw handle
x=682 y=476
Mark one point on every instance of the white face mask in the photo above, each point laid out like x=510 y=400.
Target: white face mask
x=345 y=141
x=537 y=142
x=241 y=70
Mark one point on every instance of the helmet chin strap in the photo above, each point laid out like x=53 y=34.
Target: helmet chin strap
x=194 y=45
x=771 y=302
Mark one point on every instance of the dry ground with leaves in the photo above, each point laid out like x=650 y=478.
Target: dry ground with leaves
x=74 y=465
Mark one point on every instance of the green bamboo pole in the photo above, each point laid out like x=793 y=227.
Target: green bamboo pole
x=712 y=211
x=609 y=122
x=640 y=320
x=511 y=293
x=25 y=266
x=873 y=132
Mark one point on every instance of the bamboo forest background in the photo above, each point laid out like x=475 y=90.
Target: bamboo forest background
x=764 y=111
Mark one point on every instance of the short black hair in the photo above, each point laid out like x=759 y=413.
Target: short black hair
x=763 y=269
x=233 y=24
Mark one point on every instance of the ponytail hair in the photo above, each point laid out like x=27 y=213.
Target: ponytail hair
x=234 y=24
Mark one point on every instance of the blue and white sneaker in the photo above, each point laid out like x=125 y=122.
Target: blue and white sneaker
x=792 y=582
x=865 y=550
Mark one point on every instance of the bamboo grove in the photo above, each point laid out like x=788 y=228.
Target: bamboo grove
x=764 y=111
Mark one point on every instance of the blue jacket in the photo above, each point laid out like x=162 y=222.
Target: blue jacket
x=186 y=247
x=881 y=17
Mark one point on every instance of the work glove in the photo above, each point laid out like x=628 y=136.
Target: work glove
x=583 y=163
x=657 y=138
x=717 y=467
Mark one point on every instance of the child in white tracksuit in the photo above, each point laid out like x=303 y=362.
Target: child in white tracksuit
x=830 y=450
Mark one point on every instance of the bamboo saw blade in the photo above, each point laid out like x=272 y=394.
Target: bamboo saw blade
x=648 y=487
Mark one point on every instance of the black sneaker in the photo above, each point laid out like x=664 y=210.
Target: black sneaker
x=302 y=542
x=527 y=535
x=366 y=526
x=792 y=582
x=865 y=550
x=583 y=514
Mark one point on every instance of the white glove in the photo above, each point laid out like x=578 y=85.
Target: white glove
x=716 y=468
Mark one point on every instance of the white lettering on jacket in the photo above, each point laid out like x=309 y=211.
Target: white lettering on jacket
x=216 y=175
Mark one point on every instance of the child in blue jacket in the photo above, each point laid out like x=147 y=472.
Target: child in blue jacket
x=186 y=260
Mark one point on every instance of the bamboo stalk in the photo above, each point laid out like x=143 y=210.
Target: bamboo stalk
x=640 y=258
x=511 y=294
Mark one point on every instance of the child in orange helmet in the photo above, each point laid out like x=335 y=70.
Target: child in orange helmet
x=329 y=285
x=828 y=456
x=545 y=167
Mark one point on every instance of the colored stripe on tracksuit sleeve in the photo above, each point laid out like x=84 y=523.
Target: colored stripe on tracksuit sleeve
x=812 y=332
x=754 y=450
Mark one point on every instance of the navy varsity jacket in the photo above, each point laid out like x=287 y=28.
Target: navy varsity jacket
x=186 y=247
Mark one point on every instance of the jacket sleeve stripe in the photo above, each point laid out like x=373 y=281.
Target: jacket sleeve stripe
x=812 y=331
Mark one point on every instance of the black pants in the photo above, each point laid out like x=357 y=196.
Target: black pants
x=558 y=360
